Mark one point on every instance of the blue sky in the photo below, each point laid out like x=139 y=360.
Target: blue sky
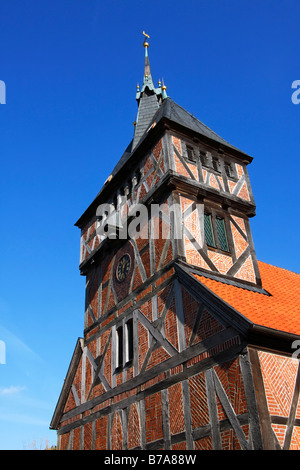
x=71 y=70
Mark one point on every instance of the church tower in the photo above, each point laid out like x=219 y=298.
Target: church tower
x=168 y=359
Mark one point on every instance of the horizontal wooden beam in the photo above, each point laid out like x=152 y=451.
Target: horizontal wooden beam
x=174 y=361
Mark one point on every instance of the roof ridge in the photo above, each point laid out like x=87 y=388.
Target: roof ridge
x=278 y=267
x=207 y=127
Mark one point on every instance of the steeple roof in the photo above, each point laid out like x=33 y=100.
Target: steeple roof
x=176 y=114
x=154 y=105
x=148 y=97
x=154 y=109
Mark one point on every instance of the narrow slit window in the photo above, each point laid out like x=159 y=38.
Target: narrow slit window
x=119 y=345
x=221 y=232
x=124 y=345
x=208 y=231
x=129 y=341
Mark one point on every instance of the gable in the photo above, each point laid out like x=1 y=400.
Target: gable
x=65 y=398
x=172 y=327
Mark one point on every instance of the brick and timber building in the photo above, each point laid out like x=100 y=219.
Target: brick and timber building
x=189 y=341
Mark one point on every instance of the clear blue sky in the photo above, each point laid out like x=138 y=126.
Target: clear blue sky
x=71 y=68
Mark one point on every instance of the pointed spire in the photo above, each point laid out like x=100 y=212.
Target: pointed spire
x=147 y=80
x=147 y=71
x=148 y=97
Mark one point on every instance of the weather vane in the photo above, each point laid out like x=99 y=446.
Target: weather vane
x=146 y=44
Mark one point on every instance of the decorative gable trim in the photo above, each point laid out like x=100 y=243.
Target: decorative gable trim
x=68 y=383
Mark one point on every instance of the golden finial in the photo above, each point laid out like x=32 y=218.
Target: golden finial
x=159 y=83
x=163 y=90
x=146 y=44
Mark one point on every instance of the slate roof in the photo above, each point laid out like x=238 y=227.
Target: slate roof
x=175 y=113
x=178 y=115
x=147 y=108
x=280 y=310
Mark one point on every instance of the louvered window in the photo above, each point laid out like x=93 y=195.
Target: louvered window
x=221 y=232
x=215 y=232
x=208 y=230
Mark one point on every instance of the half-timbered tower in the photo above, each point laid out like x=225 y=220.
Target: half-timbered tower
x=189 y=342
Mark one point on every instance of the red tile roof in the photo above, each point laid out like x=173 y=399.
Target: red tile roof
x=280 y=311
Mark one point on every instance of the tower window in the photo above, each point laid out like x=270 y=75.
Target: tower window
x=190 y=153
x=138 y=176
x=215 y=163
x=203 y=158
x=229 y=169
x=129 y=188
x=215 y=232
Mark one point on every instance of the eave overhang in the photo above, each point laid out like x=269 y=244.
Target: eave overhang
x=171 y=182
